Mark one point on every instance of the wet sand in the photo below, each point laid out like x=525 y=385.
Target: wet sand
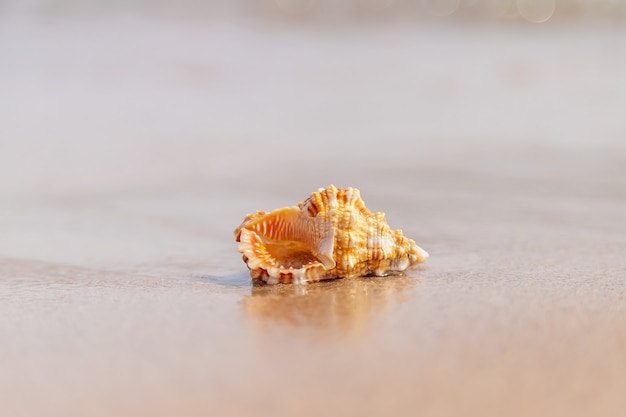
x=500 y=150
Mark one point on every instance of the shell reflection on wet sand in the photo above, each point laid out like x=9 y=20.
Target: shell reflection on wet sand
x=329 y=235
x=348 y=306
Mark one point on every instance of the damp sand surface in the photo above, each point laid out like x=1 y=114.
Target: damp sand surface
x=121 y=289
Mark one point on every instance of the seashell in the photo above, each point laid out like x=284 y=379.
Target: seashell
x=329 y=235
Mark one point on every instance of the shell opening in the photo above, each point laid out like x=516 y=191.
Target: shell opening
x=292 y=242
x=290 y=254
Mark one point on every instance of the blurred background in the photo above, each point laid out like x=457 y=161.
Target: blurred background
x=217 y=103
x=124 y=92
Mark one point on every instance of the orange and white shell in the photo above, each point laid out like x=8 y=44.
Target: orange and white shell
x=329 y=235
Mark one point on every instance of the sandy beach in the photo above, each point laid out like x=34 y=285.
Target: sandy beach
x=131 y=146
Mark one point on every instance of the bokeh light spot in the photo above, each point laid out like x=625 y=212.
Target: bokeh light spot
x=441 y=7
x=536 y=11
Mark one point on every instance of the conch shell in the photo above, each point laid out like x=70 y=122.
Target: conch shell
x=329 y=235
